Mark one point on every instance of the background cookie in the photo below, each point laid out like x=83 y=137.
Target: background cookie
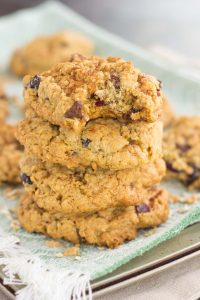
x=182 y=150
x=10 y=154
x=42 y=53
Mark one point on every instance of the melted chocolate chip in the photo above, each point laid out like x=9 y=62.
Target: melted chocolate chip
x=131 y=185
x=35 y=82
x=26 y=179
x=142 y=208
x=85 y=142
x=99 y=103
x=183 y=147
x=75 y=111
x=116 y=80
x=171 y=168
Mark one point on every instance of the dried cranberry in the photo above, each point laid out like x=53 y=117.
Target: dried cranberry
x=99 y=103
x=75 y=111
x=116 y=80
x=158 y=92
x=142 y=208
x=26 y=179
x=85 y=142
x=35 y=82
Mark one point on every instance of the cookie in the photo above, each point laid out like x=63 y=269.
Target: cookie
x=109 y=227
x=10 y=154
x=103 y=143
x=4 y=108
x=182 y=150
x=74 y=191
x=168 y=114
x=42 y=53
x=74 y=92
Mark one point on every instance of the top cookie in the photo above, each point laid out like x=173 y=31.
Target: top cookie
x=42 y=53
x=74 y=92
x=182 y=150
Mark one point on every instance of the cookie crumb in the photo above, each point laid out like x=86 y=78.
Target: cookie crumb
x=15 y=225
x=151 y=232
x=183 y=210
x=53 y=244
x=174 y=198
x=191 y=199
x=77 y=258
x=59 y=254
x=71 y=251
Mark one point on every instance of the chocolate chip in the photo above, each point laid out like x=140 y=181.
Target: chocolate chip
x=35 y=82
x=132 y=111
x=131 y=185
x=183 y=147
x=75 y=111
x=171 y=168
x=99 y=103
x=78 y=176
x=85 y=142
x=160 y=83
x=116 y=80
x=26 y=179
x=142 y=208
x=195 y=174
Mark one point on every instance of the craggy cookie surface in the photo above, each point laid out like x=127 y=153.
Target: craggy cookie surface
x=10 y=153
x=109 y=227
x=182 y=150
x=104 y=143
x=74 y=92
x=57 y=188
x=42 y=53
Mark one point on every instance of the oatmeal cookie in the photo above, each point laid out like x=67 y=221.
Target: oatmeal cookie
x=182 y=150
x=109 y=227
x=168 y=114
x=4 y=108
x=10 y=154
x=74 y=191
x=74 y=92
x=42 y=53
x=104 y=143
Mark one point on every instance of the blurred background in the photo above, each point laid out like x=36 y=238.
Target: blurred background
x=169 y=28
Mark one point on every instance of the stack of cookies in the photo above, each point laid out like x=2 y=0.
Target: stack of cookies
x=93 y=152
